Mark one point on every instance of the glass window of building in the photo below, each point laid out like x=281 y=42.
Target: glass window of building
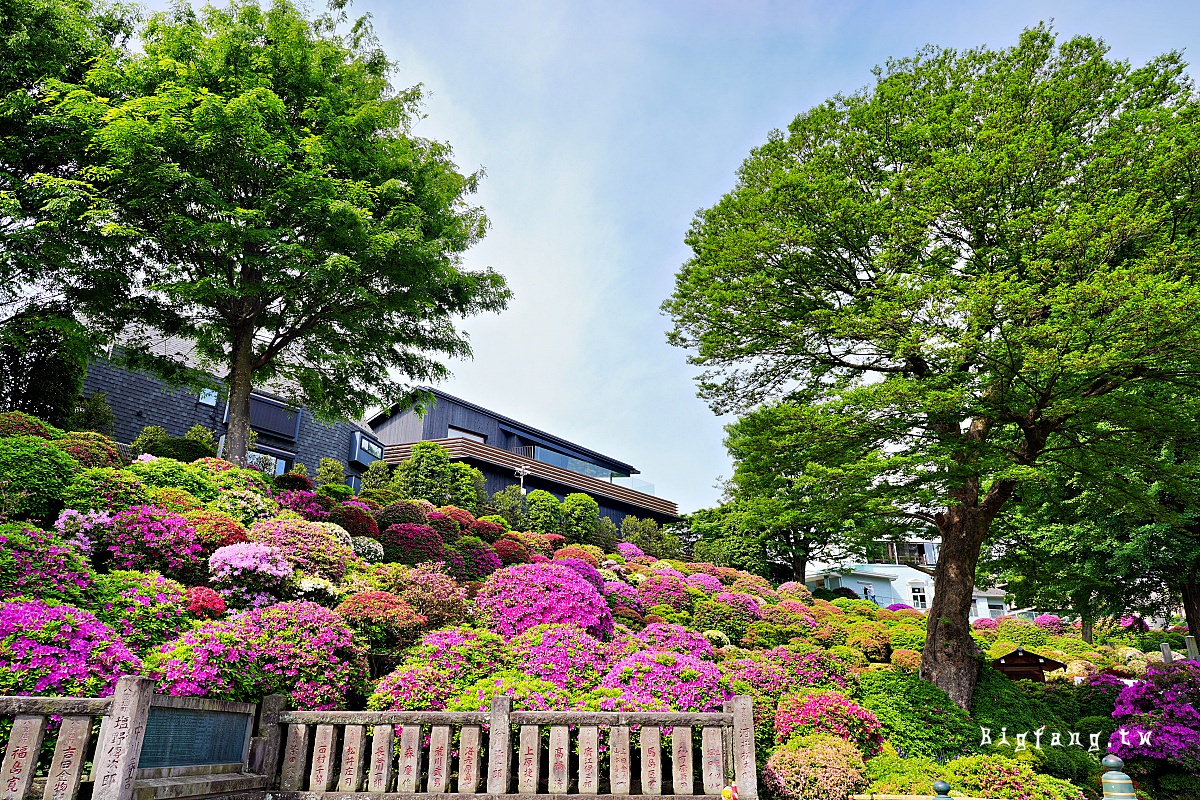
x=919 y=599
x=461 y=433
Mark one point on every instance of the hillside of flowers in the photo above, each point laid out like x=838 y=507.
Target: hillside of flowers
x=219 y=581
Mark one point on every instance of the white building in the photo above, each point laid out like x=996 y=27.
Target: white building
x=902 y=575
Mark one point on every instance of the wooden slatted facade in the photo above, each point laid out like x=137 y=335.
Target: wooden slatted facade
x=469 y=450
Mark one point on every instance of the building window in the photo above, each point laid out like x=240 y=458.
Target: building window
x=372 y=448
x=918 y=598
x=270 y=464
x=459 y=433
x=208 y=397
x=995 y=608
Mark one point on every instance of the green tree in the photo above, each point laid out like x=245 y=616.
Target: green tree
x=510 y=504
x=425 y=474
x=985 y=258
x=581 y=518
x=650 y=538
x=50 y=249
x=330 y=472
x=468 y=487
x=545 y=512
x=805 y=500
x=285 y=219
x=721 y=539
x=377 y=476
x=43 y=361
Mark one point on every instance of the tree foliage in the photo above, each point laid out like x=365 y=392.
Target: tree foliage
x=981 y=262
x=43 y=360
x=285 y=219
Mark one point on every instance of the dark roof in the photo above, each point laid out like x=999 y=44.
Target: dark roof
x=528 y=431
x=1020 y=658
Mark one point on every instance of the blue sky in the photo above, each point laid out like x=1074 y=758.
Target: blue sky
x=604 y=125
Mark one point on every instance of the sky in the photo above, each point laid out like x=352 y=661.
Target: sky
x=604 y=125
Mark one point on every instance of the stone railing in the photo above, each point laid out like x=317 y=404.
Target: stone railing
x=354 y=753
x=141 y=744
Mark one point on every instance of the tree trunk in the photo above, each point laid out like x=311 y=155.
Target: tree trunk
x=1086 y=629
x=949 y=657
x=237 y=437
x=799 y=560
x=1191 y=606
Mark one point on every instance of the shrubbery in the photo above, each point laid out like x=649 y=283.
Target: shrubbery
x=37 y=473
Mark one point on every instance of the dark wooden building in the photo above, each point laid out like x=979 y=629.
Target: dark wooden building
x=1020 y=665
x=502 y=447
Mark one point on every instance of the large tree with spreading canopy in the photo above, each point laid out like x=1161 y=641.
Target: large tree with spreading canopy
x=282 y=214
x=981 y=263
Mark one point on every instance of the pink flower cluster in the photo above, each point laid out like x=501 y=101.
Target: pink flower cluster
x=520 y=597
x=629 y=550
x=985 y=624
x=705 y=583
x=149 y=537
x=828 y=712
x=82 y=529
x=663 y=637
x=670 y=681
x=304 y=503
x=663 y=589
x=249 y=573
x=298 y=648
x=309 y=548
x=1049 y=623
x=620 y=593
x=748 y=603
x=561 y=654
x=40 y=566
x=59 y=650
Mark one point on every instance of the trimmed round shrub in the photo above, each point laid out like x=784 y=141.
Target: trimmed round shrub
x=214 y=466
x=368 y=549
x=576 y=552
x=662 y=637
x=249 y=574
x=446 y=526
x=144 y=608
x=178 y=500
x=204 y=603
x=748 y=604
x=669 y=681
x=300 y=649
x=664 y=589
x=527 y=693
x=851 y=655
x=563 y=655
x=815 y=767
x=871 y=638
x=820 y=711
x=407 y=543
x=487 y=530
x=180 y=449
x=729 y=620
x=82 y=530
x=907 y=637
x=906 y=660
x=150 y=538
x=105 y=489
x=401 y=512
x=338 y=532
x=35 y=564
x=384 y=619
x=434 y=595
x=520 y=597
x=309 y=505
x=795 y=591
x=215 y=529
x=59 y=650
x=705 y=583
x=291 y=482
x=308 y=547
x=464 y=518
x=243 y=480
x=18 y=423
x=1006 y=779
x=91 y=449
x=476 y=561
x=37 y=473
x=355 y=519
x=585 y=570
x=170 y=473
x=510 y=551
x=536 y=543
x=245 y=506
x=466 y=654
x=496 y=519
x=413 y=686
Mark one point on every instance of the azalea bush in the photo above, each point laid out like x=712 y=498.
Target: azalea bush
x=91 y=449
x=669 y=681
x=1158 y=722
x=664 y=637
x=306 y=503
x=385 y=620
x=150 y=538
x=476 y=559
x=510 y=551
x=204 y=603
x=518 y=598
x=310 y=548
x=820 y=711
x=563 y=655
x=356 y=518
x=37 y=473
x=435 y=595
x=59 y=650
x=411 y=543
x=169 y=473
x=299 y=648
x=249 y=573
x=466 y=654
x=413 y=686
x=815 y=767
x=34 y=564
x=145 y=608
x=215 y=529
x=245 y=506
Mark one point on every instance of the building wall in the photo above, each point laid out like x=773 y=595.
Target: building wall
x=138 y=400
x=888 y=591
